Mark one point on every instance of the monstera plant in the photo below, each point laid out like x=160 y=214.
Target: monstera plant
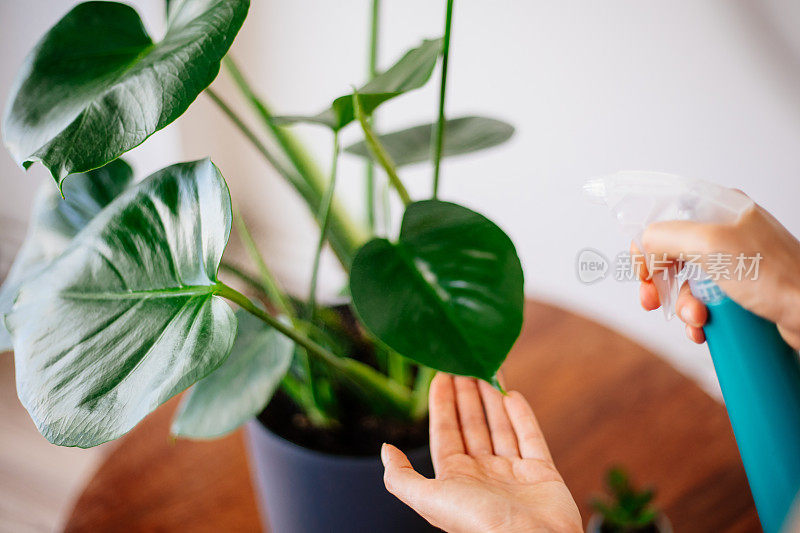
x=118 y=299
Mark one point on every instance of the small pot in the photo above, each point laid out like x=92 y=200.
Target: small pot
x=662 y=524
x=306 y=491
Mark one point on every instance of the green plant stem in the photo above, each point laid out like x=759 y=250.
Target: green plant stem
x=393 y=398
x=247 y=278
x=268 y=281
x=324 y=220
x=369 y=195
x=439 y=139
x=301 y=396
x=398 y=368
x=373 y=38
x=253 y=138
x=372 y=70
x=281 y=302
x=379 y=153
x=422 y=386
x=345 y=235
x=293 y=149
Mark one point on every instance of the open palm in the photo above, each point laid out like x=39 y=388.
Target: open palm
x=493 y=469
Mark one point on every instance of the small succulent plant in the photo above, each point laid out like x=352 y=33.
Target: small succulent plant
x=628 y=509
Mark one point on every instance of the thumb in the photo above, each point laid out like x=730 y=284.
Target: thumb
x=402 y=480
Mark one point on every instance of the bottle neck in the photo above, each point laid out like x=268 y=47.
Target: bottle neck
x=705 y=290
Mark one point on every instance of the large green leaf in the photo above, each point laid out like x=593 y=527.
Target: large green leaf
x=96 y=85
x=55 y=221
x=448 y=294
x=126 y=317
x=241 y=387
x=461 y=136
x=410 y=72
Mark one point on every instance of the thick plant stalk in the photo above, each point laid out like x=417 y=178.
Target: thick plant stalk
x=439 y=138
x=379 y=153
x=324 y=222
x=388 y=396
x=345 y=235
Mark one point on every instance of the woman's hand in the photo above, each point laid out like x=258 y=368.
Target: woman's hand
x=495 y=476
x=774 y=295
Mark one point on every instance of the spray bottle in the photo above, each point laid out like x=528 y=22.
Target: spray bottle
x=759 y=373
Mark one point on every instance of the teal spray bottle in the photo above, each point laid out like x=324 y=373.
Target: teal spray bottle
x=758 y=373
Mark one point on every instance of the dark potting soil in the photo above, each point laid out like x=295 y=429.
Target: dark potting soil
x=360 y=433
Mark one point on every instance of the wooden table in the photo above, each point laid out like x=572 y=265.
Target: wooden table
x=600 y=398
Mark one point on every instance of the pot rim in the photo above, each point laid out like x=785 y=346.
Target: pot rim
x=662 y=522
x=254 y=424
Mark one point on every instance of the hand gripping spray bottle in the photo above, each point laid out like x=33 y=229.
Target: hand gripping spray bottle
x=759 y=373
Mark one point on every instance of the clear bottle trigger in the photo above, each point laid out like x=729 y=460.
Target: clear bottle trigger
x=665 y=279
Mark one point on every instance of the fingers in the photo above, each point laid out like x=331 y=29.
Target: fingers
x=678 y=236
x=648 y=296
x=504 y=441
x=695 y=334
x=693 y=312
x=474 y=430
x=445 y=433
x=403 y=481
x=639 y=263
x=529 y=436
x=690 y=309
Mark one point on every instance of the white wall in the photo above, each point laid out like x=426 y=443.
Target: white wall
x=705 y=88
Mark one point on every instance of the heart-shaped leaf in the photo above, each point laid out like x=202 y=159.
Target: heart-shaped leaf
x=55 y=221
x=461 y=136
x=448 y=294
x=126 y=317
x=96 y=85
x=239 y=389
x=410 y=72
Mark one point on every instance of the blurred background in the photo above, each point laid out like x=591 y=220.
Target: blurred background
x=707 y=89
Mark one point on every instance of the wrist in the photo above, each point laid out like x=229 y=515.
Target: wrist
x=789 y=322
x=791 y=296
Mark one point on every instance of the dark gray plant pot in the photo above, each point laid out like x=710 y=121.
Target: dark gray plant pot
x=305 y=491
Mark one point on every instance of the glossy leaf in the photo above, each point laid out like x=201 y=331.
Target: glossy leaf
x=127 y=317
x=96 y=85
x=462 y=135
x=410 y=72
x=448 y=294
x=55 y=221
x=241 y=387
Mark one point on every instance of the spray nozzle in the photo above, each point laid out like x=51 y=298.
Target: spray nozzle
x=637 y=199
x=595 y=190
